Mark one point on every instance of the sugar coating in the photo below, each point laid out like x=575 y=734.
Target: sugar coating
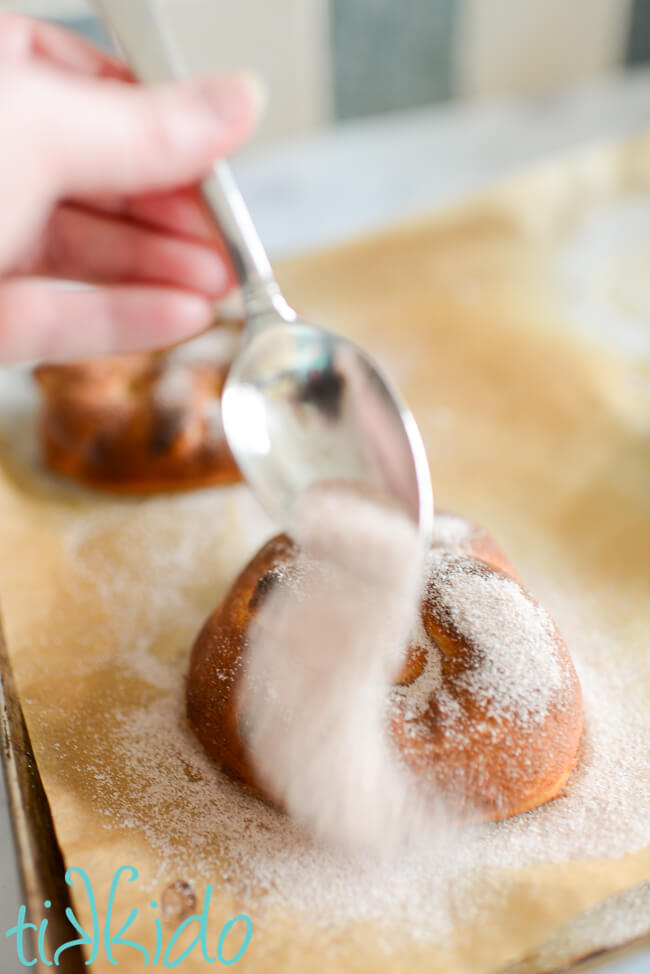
x=173 y=389
x=218 y=345
x=516 y=672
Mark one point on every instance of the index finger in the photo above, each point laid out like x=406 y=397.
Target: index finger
x=24 y=37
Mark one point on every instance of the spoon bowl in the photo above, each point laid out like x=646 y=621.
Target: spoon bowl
x=305 y=406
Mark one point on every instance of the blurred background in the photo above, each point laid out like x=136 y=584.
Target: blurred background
x=327 y=60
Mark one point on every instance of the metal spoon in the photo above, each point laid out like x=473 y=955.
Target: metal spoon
x=302 y=405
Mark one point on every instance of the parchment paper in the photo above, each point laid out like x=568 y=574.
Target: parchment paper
x=536 y=416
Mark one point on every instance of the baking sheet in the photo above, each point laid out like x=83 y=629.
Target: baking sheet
x=519 y=329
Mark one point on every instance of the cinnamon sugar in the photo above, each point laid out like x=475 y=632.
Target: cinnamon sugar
x=199 y=821
x=218 y=345
x=319 y=667
x=156 y=781
x=415 y=698
x=174 y=387
x=516 y=673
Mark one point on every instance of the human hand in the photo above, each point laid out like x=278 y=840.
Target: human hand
x=98 y=184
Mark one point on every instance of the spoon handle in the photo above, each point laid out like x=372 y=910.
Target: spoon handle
x=147 y=43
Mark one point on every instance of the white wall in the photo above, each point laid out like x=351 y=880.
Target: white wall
x=47 y=8
x=286 y=41
x=529 y=45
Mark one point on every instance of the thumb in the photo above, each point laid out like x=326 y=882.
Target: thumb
x=110 y=137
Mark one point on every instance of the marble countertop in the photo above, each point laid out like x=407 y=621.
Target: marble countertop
x=357 y=176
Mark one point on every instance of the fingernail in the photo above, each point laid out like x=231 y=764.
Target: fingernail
x=236 y=97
